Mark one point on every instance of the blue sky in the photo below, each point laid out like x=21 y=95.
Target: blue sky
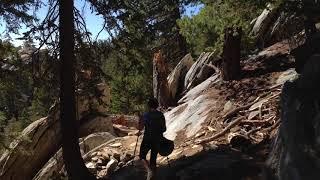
x=94 y=22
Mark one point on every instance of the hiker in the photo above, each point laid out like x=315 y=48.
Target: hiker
x=154 y=123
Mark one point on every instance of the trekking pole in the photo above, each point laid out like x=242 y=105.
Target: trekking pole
x=135 y=148
x=134 y=153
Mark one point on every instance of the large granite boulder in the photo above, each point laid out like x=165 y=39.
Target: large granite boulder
x=55 y=164
x=176 y=77
x=199 y=71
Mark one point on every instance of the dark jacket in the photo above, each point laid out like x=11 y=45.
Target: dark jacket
x=155 y=125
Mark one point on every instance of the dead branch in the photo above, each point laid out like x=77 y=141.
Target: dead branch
x=271 y=128
x=236 y=110
x=258 y=121
x=249 y=133
x=216 y=69
x=223 y=132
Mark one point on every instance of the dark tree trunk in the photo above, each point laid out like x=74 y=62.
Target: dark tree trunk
x=73 y=161
x=160 y=83
x=231 y=54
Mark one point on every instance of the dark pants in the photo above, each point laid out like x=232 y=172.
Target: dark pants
x=153 y=145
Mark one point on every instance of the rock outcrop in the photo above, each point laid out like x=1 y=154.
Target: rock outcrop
x=262 y=23
x=274 y=25
x=297 y=147
x=39 y=142
x=112 y=155
x=194 y=110
x=199 y=71
x=55 y=164
x=176 y=77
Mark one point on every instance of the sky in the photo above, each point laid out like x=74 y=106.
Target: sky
x=93 y=21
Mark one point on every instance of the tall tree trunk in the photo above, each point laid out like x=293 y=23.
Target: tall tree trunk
x=73 y=161
x=160 y=83
x=231 y=54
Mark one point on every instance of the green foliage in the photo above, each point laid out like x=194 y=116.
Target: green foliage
x=204 y=31
x=130 y=80
x=25 y=93
x=15 y=13
x=138 y=29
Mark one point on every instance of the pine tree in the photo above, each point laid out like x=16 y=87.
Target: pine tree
x=73 y=161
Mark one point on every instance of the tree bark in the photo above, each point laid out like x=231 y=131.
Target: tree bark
x=231 y=54
x=73 y=161
x=160 y=83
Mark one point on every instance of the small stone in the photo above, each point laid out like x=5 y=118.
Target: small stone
x=94 y=154
x=116 y=155
x=210 y=146
x=125 y=157
x=227 y=107
x=94 y=159
x=211 y=129
x=111 y=166
x=121 y=164
x=133 y=133
x=100 y=162
x=199 y=134
x=103 y=173
x=115 y=145
x=90 y=165
x=194 y=150
x=105 y=158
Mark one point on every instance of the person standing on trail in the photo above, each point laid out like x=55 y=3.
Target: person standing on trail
x=153 y=121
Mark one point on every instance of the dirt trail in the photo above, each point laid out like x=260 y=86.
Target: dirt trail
x=221 y=162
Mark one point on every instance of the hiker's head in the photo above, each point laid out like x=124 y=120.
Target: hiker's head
x=153 y=103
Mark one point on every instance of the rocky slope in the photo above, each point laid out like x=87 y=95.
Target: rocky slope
x=221 y=129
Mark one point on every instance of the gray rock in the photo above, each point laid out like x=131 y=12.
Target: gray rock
x=262 y=22
x=295 y=154
x=175 y=84
x=228 y=106
x=103 y=173
x=125 y=157
x=199 y=71
x=116 y=155
x=112 y=165
x=288 y=75
x=94 y=140
x=55 y=164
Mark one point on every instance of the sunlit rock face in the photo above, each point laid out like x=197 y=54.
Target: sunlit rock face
x=193 y=111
